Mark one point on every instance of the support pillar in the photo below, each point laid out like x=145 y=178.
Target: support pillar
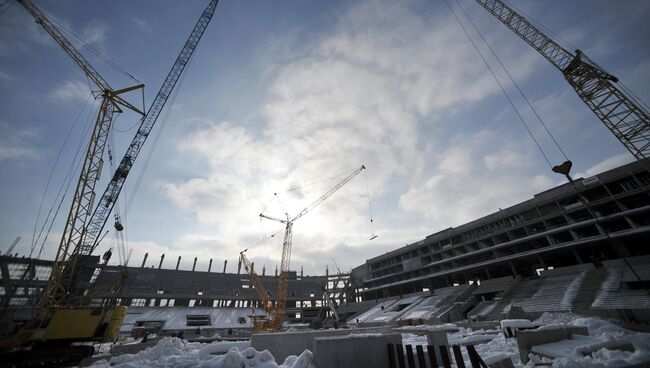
x=161 y=260
x=224 y=265
x=144 y=260
x=210 y=265
x=178 y=263
x=194 y=265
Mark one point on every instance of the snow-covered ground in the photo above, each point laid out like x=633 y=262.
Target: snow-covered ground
x=174 y=352
x=604 y=332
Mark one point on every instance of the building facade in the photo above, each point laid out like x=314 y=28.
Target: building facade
x=603 y=217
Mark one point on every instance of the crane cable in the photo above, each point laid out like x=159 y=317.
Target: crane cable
x=521 y=118
x=372 y=226
x=513 y=81
x=74 y=167
x=65 y=184
x=156 y=139
x=91 y=49
x=49 y=179
x=7 y=5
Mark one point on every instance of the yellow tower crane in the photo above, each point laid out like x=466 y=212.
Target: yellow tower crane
x=276 y=311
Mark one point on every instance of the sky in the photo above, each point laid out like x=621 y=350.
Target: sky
x=281 y=100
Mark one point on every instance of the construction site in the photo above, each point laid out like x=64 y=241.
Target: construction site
x=554 y=274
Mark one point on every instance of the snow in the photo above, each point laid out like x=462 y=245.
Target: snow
x=174 y=352
x=596 y=350
x=516 y=323
x=572 y=291
x=566 y=348
x=493 y=346
x=608 y=334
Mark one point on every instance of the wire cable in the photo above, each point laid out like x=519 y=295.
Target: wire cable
x=6 y=6
x=513 y=81
x=74 y=166
x=521 y=118
x=156 y=139
x=92 y=49
x=56 y=161
x=537 y=24
x=318 y=182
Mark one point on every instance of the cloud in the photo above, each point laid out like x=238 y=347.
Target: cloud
x=499 y=177
x=364 y=93
x=607 y=164
x=71 y=91
x=142 y=24
x=4 y=77
x=96 y=34
x=19 y=144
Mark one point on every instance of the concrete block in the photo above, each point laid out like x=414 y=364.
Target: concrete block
x=499 y=361
x=283 y=344
x=526 y=339
x=437 y=339
x=355 y=351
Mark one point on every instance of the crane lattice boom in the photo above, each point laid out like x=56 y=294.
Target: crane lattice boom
x=106 y=203
x=281 y=297
x=59 y=283
x=621 y=114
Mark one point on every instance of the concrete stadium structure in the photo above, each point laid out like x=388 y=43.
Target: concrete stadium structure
x=548 y=253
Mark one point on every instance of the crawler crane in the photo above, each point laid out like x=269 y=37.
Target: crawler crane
x=276 y=311
x=60 y=320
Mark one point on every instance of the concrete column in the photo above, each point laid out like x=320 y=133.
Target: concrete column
x=224 y=265
x=513 y=269
x=144 y=260
x=264 y=270
x=178 y=263
x=162 y=258
x=210 y=265
x=194 y=265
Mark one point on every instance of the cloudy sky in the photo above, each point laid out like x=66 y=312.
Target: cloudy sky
x=287 y=97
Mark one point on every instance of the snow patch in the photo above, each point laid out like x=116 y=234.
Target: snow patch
x=174 y=352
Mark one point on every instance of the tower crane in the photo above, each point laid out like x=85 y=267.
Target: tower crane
x=58 y=324
x=262 y=294
x=56 y=290
x=108 y=199
x=277 y=313
x=621 y=113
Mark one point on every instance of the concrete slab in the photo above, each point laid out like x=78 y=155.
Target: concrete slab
x=283 y=344
x=354 y=351
x=526 y=339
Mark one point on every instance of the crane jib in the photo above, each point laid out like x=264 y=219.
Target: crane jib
x=616 y=108
x=105 y=205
